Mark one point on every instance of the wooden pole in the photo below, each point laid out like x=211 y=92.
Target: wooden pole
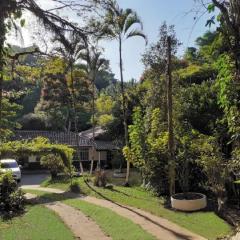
x=93 y=119
x=170 y=118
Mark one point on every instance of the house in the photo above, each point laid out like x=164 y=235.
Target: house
x=89 y=149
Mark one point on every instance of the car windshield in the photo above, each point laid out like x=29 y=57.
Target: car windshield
x=9 y=165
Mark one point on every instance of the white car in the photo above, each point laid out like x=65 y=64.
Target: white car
x=11 y=165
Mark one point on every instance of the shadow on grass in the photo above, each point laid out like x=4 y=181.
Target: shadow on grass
x=129 y=195
x=175 y=233
x=6 y=216
x=47 y=198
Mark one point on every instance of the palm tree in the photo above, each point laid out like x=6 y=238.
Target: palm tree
x=12 y=9
x=70 y=50
x=92 y=56
x=120 y=25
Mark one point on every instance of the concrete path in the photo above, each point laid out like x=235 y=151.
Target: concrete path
x=236 y=237
x=159 y=227
x=81 y=226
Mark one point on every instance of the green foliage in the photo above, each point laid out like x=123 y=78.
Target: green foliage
x=146 y=200
x=100 y=179
x=30 y=101
x=38 y=222
x=198 y=105
x=229 y=94
x=212 y=161
x=104 y=107
x=75 y=187
x=8 y=121
x=56 y=102
x=54 y=163
x=33 y=121
x=196 y=74
x=38 y=146
x=104 y=79
x=12 y=199
x=148 y=148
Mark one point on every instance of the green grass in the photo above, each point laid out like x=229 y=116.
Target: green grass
x=115 y=226
x=206 y=224
x=38 y=223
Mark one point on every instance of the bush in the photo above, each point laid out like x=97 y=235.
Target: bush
x=54 y=163
x=12 y=200
x=100 y=179
x=74 y=187
x=33 y=121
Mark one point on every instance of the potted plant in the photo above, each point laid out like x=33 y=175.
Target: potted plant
x=186 y=201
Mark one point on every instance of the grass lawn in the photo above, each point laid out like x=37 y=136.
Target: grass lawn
x=206 y=224
x=115 y=226
x=38 y=223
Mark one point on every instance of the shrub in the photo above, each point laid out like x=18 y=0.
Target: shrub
x=33 y=121
x=74 y=187
x=54 y=163
x=11 y=198
x=100 y=179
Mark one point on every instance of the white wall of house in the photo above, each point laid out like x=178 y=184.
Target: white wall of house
x=32 y=159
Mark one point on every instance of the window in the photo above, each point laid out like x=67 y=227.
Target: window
x=84 y=154
x=9 y=165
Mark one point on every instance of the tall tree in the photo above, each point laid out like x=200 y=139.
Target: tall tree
x=120 y=24
x=12 y=9
x=92 y=55
x=159 y=58
x=230 y=25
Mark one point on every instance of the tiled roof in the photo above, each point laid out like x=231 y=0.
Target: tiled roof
x=89 y=133
x=67 y=138
x=54 y=137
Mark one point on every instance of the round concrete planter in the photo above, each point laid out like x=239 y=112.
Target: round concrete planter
x=188 y=205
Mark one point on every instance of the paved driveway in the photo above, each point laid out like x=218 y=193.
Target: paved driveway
x=33 y=179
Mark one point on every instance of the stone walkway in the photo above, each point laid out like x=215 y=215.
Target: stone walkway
x=159 y=227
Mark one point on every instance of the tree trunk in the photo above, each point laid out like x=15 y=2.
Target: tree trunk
x=2 y=61
x=75 y=118
x=93 y=119
x=124 y=110
x=170 y=120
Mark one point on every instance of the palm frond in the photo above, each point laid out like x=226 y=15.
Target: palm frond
x=137 y=33
x=132 y=19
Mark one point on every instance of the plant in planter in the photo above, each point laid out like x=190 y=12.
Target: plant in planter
x=186 y=201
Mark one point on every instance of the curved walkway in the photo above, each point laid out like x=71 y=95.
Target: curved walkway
x=81 y=226
x=159 y=227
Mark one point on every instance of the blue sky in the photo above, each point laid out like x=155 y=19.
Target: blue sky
x=152 y=13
